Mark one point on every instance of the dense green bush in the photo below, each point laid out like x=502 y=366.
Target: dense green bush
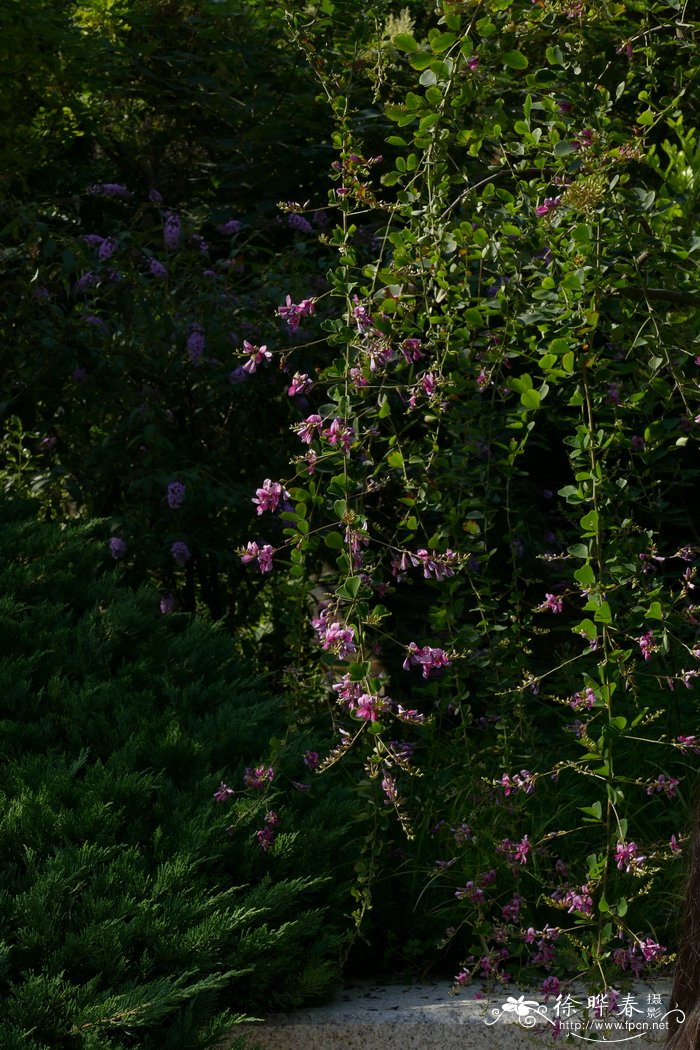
x=136 y=908
x=485 y=323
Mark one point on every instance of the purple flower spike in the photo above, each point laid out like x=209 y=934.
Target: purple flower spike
x=181 y=553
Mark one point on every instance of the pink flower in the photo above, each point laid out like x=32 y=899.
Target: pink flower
x=339 y=639
x=265 y=837
x=689 y=744
x=428 y=384
x=362 y=317
x=369 y=707
x=650 y=949
x=258 y=777
x=263 y=555
x=340 y=432
x=437 y=565
x=251 y=552
x=665 y=785
x=647 y=644
x=550 y=203
x=265 y=558
x=224 y=792
x=311 y=759
x=293 y=312
x=267 y=497
x=427 y=658
x=258 y=356
x=627 y=857
x=411 y=350
x=301 y=384
x=311 y=458
x=583 y=703
x=309 y=428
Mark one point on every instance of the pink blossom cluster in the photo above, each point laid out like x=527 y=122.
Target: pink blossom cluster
x=292 y=313
x=552 y=603
x=689 y=744
x=334 y=636
x=663 y=784
x=223 y=793
x=362 y=317
x=258 y=355
x=511 y=911
x=340 y=433
x=647 y=644
x=309 y=428
x=549 y=205
x=266 y=835
x=269 y=494
x=583 y=702
x=410 y=715
x=628 y=858
x=301 y=384
x=522 y=781
x=576 y=899
x=369 y=707
x=427 y=658
x=633 y=957
x=515 y=852
x=356 y=539
x=348 y=692
x=263 y=555
x=435 y=565
x=411 y=350
x=470 y=892
x=390 y=790
x=258 y=777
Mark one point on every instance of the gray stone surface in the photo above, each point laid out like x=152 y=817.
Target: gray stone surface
x=367 y=1015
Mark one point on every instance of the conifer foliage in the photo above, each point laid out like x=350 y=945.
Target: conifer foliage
x=131 y=914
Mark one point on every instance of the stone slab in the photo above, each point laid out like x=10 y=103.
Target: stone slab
x=367 y=1015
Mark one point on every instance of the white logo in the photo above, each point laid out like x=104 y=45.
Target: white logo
x=600 y=1021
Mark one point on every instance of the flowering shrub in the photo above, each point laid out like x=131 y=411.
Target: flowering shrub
x=500 y=456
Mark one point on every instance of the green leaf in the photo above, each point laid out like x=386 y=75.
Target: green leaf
x=603 y=613
x=655 y=612
x=440 y=42
x=555 y=56
x=334 y=540
x=395 y=459
x=530 y=399
x=515 y=60
x=586 y=628
x=596 y=810
x=350 y=588
x=421 y=60
x=589 y=523
x=404 y=42
x=485 y=27
x=585 y=575
x=562 y=148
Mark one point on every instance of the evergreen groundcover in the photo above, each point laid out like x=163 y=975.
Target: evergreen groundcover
x=135 y=909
